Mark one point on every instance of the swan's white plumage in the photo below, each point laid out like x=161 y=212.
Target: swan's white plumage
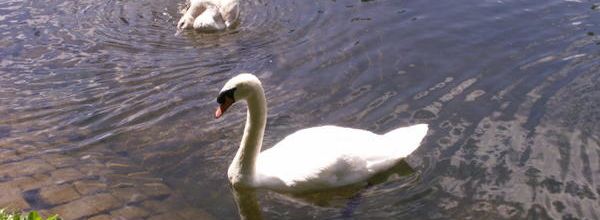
x=331 y=156
x=209 y=15
x=313 y=158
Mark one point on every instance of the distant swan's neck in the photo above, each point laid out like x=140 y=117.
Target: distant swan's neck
x=242 y=169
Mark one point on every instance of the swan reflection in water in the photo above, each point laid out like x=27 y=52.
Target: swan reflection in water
x=350 y=196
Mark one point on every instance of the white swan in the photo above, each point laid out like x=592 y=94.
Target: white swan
x=209 y=15
x=310 y=159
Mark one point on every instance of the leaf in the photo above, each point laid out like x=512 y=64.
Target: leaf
x=33 y=215
x=54 y=217
x=15 y=216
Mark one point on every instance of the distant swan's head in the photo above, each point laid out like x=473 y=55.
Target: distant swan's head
x=187 y=20
x=240 y=87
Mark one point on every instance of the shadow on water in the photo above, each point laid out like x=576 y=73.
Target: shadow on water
x=247 y=203
x=345 y=198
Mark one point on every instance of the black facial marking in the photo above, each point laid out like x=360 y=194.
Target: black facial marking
x=227 y=93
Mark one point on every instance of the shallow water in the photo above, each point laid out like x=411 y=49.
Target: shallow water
x=510 y=90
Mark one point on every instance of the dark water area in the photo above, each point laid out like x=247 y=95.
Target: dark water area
x=511 y=91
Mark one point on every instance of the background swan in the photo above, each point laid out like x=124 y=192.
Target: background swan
x=209 y=15
x=310 y=159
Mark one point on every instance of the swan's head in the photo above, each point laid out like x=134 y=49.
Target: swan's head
x=240 y=87
x=185 y=22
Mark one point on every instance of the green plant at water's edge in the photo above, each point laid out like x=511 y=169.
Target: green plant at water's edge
x=33 y=215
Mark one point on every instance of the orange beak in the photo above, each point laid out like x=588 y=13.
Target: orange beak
x=223 y=107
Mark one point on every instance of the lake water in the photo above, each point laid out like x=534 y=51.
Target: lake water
x=511 y=91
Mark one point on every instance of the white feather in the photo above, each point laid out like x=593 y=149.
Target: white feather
x=209 y=15
x=331 y=156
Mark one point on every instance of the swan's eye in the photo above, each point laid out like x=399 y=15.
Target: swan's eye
x=226 y=94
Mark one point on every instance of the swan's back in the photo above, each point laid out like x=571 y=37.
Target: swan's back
x=230 y=10
x=331 y=156
x=210 y=15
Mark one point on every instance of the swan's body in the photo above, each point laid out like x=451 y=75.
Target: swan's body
x=310 y=159
x=330 y=156
x=209 y=15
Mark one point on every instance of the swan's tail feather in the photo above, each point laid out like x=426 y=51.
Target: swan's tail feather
x=406 y=139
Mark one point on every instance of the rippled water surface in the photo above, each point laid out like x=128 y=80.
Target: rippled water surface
x=511 y=91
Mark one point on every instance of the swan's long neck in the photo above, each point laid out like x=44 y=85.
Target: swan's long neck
x=243 y=168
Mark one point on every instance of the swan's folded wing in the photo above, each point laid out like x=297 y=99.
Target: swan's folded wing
x=318 y=157
x=330 y=156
